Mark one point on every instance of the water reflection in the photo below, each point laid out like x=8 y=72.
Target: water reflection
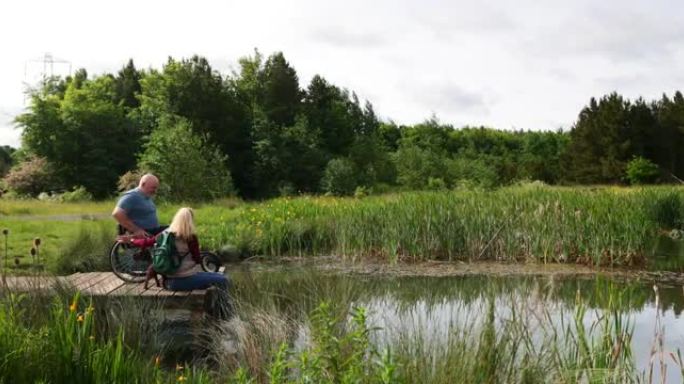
x=431 y=309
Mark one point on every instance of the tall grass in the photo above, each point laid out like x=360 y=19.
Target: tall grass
x=331 y=338
x=596 y=226
x=86 y=251
x=606 y=226
x=505 y=341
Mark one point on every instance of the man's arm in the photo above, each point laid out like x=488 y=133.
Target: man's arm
x=122 y=218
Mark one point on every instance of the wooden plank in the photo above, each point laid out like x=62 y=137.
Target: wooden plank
x=181 y=293
x=123 y=290
x=78 y=278
x=136 y=290
x=81 y=279
x=104 y=287
x=153 y=290
x=94 y=281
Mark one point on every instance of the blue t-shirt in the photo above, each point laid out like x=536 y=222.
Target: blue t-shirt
x=139 y=208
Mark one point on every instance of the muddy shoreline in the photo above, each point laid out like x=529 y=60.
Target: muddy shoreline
x=456 y=268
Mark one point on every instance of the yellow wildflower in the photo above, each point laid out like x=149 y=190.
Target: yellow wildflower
x=90 y=309
x=181 y=378
x=79 y=318
x=72 y=307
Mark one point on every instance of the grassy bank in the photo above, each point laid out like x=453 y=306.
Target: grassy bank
x=596 y=226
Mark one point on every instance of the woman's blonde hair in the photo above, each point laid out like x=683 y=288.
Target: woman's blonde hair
x=183 y=224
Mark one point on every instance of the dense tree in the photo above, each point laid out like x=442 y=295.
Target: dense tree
x=85 y=136
x=599 y=148
x=668 y=140
x=540 y=157
x=127 y=85
x=326 y=108
x=5 y=159
x=189 y=168
x=193 y=90
x=281 y=96
x=281 y=139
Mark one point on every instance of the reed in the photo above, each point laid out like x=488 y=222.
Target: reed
x=596 y=226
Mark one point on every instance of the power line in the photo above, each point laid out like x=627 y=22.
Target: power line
x=48 y=61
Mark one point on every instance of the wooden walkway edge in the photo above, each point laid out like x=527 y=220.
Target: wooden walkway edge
x=102 y=285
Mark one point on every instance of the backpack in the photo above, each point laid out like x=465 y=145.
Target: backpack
x=165 y=257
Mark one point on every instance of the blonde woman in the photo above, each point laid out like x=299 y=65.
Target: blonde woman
x=187 y=277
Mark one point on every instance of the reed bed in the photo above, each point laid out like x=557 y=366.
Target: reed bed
x=595 y=226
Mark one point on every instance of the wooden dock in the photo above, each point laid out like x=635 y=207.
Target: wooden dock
x=104 y=285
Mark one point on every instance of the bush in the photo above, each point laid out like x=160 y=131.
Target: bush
x=436 y=184
x=415 y=166
x=641 y=171
x=286 y=189
x=78 y=194
x=339 y=177
x=361 y=191
x=189 y=169
x=31 y=177
x=471 y=173
x=129 y=180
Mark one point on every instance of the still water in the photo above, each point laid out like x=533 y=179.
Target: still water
x=429 y=311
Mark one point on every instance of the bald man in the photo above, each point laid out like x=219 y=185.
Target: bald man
x=135 y=211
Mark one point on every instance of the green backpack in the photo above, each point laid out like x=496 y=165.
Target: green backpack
x=165 y=257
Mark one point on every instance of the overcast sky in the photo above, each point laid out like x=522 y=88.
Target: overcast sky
x=504 y=64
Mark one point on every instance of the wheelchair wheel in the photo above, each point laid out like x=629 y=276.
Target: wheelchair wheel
x=210 y=261
x=129 y=263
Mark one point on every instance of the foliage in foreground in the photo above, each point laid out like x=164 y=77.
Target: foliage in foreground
x=517 y=345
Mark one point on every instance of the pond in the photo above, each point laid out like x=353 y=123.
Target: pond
x=437 y=321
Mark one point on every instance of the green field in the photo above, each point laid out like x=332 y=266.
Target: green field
x=601 y=226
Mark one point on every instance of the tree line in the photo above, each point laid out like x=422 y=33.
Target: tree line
x=259 y=133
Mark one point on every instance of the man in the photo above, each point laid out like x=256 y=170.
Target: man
x=135 y=211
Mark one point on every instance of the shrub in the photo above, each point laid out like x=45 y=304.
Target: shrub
x=470 y=173
x=129 y=180
x=31 y=177
x=416 y=165
x=339 y=177
x=361 y=191
x=641 y=171
x=286 y=189
x=78 y=194
x=189 y=167
x=436 y=184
